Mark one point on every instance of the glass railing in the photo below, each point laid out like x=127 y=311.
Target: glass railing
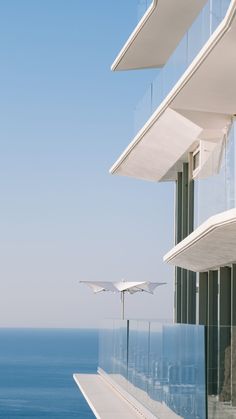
x=216 y=191
x=221 y=371
x=160 y=365
x=143 y=5
x=194 y=39
x=170 y=368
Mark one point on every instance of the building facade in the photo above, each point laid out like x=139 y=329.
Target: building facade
x=186 y=133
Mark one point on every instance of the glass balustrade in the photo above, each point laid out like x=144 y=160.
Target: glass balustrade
x=160 y=365
x=221 y=371
x=194 y=39
x=216 y=192
x=174 y=370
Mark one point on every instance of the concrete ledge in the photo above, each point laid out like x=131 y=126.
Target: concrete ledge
x=211 y=245
x=157 y=34
x=114 y=380
x=108 y=398
x=103 y=399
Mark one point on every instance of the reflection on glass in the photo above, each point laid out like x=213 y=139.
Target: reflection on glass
x=161 y=365
x=200 y=31
x=216 y=193
x=221 y=372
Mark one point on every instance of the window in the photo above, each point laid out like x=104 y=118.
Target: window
x=196 y=161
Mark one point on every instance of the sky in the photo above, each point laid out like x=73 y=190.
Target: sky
x=64 y=120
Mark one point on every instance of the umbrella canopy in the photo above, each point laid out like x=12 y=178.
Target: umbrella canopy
x=122 y=287
x=126 y=286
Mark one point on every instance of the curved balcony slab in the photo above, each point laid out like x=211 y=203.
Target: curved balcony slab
x=157 y=34
x=152 y=159
x=211 y=245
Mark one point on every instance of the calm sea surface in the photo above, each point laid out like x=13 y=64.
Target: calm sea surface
x=36 y=367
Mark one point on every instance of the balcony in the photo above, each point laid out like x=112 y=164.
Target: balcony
x=161 y=27
x=211 y=245
x=213 y=242
x=202 y=98
x=194 y=39
x=163 y=371
x=162 y=366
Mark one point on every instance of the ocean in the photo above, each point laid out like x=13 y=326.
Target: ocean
x=36 y=367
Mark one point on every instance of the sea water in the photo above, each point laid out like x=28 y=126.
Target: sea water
x=36 y=367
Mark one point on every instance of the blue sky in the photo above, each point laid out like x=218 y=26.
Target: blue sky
x=65 y=118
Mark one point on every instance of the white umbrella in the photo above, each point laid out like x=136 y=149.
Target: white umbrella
x=122 y=287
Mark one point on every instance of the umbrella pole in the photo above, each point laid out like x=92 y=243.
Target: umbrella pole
x=122 y=295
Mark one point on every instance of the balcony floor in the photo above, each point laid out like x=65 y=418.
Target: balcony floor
x=103 y=399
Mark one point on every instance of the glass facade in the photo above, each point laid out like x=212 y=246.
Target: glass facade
x=216 y=193
x=194 y=39
x=160 y=365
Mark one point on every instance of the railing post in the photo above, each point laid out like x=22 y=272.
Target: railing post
x=127 y=349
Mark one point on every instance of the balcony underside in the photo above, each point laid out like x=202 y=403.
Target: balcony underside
x=205 y=94
x=210 y=246
x=151 y=159
x=157 y=34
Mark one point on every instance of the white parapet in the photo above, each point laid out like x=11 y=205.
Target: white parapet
x=157 y=34
x=154 y=152
x=211 y=245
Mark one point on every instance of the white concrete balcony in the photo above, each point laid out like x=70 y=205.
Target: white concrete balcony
x=211 y=245
x=157 y=34
x=204 y=94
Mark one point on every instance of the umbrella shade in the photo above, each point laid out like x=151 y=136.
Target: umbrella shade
x=133 y=287
x=126 y=286
x=99 y=286
x=122 y=287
